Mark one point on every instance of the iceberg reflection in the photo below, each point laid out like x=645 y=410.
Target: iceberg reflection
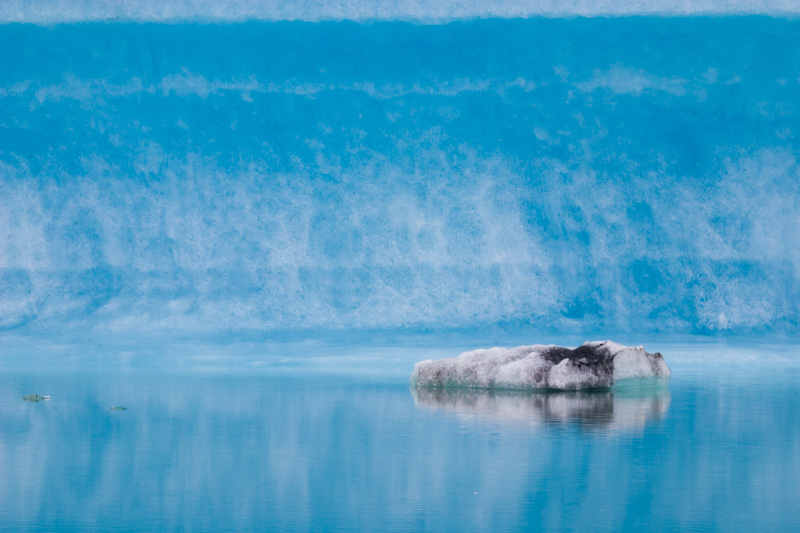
x=629 y=406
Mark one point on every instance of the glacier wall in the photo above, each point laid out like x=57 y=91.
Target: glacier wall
x=634 y=174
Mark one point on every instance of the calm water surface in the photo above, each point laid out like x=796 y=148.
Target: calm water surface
x=289 y=449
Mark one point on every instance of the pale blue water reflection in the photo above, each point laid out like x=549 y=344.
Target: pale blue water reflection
x=718 y=449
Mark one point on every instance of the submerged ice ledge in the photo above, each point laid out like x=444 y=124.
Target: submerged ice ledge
x=597 y=364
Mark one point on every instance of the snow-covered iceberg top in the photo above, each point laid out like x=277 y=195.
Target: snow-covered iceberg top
x=592 y=365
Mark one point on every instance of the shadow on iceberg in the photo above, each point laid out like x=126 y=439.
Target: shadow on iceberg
x=629 y=405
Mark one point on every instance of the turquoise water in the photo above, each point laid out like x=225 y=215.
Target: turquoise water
x=323 y=447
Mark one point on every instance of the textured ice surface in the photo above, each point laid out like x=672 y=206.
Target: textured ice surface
x=592 y=365
x=55 y=11
x=601 y=174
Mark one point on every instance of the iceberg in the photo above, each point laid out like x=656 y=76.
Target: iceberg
x=596 y=364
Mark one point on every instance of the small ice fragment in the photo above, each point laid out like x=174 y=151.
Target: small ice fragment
x=35 y=398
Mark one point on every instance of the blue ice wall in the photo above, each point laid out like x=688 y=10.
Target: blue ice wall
x=635 y=174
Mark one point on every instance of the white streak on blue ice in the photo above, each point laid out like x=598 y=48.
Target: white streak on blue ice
x=624 y=80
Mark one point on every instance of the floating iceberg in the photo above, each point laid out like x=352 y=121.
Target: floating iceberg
x=597 y=364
